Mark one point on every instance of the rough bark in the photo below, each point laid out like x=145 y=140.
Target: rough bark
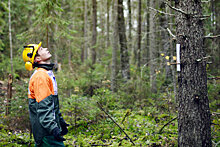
x=217 y=10
x=145 y=57
x=94 y=31
x=10 y=36
x=193 y=105
x=173 y=53
x=123 y=42
x=85 y=31
x=47 y=32
x=69 y=56
x=55 y=46
x=216 y=31
x=153 y=49
x=102 y=37
x=107 y=25
x=9 y=95
x=82 y=57
x=139 y=36
x=165 y=38
x=114 y=48
x=129 y=26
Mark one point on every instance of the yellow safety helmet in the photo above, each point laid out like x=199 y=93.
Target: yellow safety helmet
x=29 y=53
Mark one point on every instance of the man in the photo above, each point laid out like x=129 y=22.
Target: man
x=47 y=123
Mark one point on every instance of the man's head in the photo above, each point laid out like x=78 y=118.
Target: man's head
x=34 y=53
x=43 y=56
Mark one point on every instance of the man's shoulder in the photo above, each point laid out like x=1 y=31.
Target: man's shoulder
x=40 y=74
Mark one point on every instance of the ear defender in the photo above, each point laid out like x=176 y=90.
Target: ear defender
x=28 y=66
x=28 y=55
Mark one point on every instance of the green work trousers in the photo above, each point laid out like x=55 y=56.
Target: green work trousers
x=50 y=141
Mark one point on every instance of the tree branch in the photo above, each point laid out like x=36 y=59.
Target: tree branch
x=212 y=37
x=176 y=9
x=215 y=113
x=205 y=1
x=161 y=12
x=202 y=16
x=183 y=12
x=171 y=33
x=100 y=106
x=167 y=124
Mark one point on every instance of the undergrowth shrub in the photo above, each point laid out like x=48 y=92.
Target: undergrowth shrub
x=18 y=119
x=214 y=94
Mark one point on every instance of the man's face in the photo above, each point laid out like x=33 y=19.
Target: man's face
x=44 y=54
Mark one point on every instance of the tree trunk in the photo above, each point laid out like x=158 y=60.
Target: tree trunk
x=101 y=37
x=165 y=39
x=83 y=35
x=129 y=26
x=9 y=94
x=171 y=20
x=10 y=37
x=107 y=25
x=69 y=55
x=94 y=31
x=217 y=32
x=55 y=46
x=85 y=31
x=139 y=36
x=194 y=124
x=114 y=48
x=145 y=57
x=123 y=42
x=152 y=51
x=47 y=33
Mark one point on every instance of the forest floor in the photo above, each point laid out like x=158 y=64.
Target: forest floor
x=147 y=125
x=143 y=130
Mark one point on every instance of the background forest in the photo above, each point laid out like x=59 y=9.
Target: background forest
x=121 y=54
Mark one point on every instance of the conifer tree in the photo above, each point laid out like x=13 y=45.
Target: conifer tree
x=194 y=123
x=125 y=67
x=46 y=18
x=3 y=8
x=152 y=47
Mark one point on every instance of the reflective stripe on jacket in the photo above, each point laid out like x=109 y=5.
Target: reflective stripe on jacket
x=43 y=104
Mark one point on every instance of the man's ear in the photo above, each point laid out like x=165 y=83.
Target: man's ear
x=37 y=59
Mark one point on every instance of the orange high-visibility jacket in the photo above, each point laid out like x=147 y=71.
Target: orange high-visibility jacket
x=44 y=104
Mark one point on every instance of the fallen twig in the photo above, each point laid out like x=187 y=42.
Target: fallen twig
x=167 y=124
x=99 y=105
x=99 y=145
x=128 y=112
x=216 y=144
